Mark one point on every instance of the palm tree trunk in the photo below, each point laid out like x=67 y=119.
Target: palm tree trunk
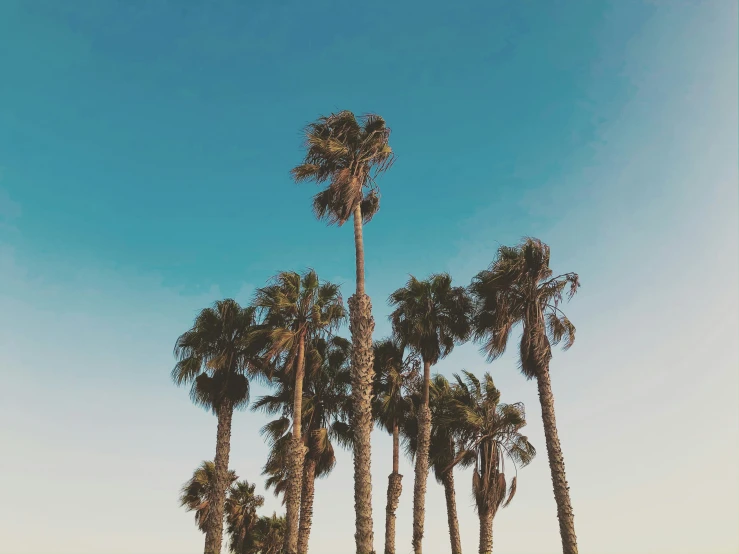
x=306 y=503
x=451 y=511
x=557 y=464
x=361 y=326
x=297 y=454
x=422 y=463
x=214 y=532
x=394 y=488
x=486 y=532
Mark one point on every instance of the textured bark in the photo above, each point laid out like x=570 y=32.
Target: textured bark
x=421 y=476
x=394 y=488
x=306 y=504
x=214 y=531
x=451 y=512
x=297 y=455
x=361 y=326
x=486 y=532
x=557 y=464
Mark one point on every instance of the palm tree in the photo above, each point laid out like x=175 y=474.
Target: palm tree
x=297 y=308
x=489 y=433
x=443 y=449
x=349 y=153
x=269 y=535
x=325 y=395
x=519 y=288
x=442 y=443
x=241 y=515
x=393 y=374
x=430 y=317
x=197 y=493
x=215 y=357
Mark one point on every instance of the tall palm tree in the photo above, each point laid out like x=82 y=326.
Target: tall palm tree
x=349 y=153
x=297 y=308
x=519 y=288
x=326 y=389
x=430 y=317
x=197 y=494
x=393 y=374
x=489 y=433
x=215 y=357
x=241 y=516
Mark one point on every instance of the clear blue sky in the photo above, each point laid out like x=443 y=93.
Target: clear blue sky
x=144 y=158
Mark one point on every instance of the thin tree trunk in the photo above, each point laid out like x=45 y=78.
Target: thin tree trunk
x=486 y=532
x=359 y=249
x=214 y=532
x=422 y=463
x=451 y=511
x=394 y=488
x=557 y=464
x=306 y=503
x=297 y=454
x=361 y=326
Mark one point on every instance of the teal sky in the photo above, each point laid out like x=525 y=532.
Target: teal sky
x=144 y=158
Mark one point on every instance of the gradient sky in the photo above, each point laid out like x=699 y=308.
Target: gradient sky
x=144 y=158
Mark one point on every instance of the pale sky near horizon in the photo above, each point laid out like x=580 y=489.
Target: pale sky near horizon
x=144 y=158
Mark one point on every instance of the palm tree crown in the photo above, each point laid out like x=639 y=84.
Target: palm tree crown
x=519 y=288
x=431 y=316
x=197 y=494
x=348 y=153
x=394 y=372
x=241 y=515
x=216 y=357
x=489 y=433
x=296 y=306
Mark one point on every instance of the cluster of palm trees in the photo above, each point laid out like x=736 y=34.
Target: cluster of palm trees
x=248 y=533
x=327 y=390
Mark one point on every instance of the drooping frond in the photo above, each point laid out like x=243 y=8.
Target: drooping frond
x=488 y=434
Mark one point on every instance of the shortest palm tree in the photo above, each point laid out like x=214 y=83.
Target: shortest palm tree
x=488 y=435
x=198 y=493
x=241 y=516
x=269 y=535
